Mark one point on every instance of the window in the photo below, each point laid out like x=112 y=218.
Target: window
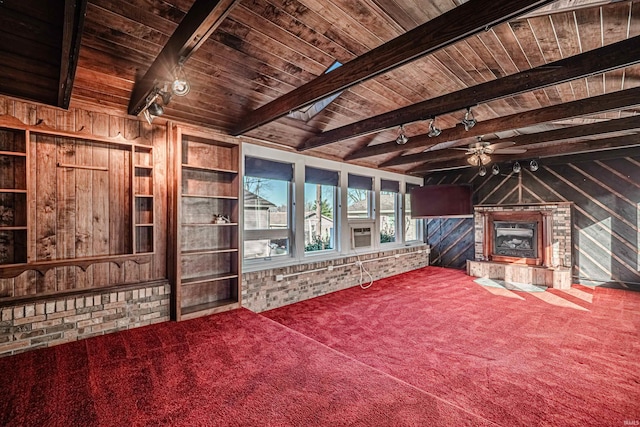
x=359 y=197
x=388 y=210
x=267 y=208
x=412 y=227
x=320 y=193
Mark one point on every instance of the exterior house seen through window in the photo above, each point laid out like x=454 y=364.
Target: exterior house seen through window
x=320 y=195
x=359 y=197
x=267 y=208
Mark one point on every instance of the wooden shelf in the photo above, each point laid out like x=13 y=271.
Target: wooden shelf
x=208 y=169
x=209 y=308
x=208 y=251
x=143 y=167
x=13 y=270
x=211 y=278
x=13 y=153
x=144 y=195
x=13 y=190
x=205 y=196
x=208 y=224
x=12 y=228
x=145 y=225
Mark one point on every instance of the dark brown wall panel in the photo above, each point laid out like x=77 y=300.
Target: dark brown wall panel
x=606 y=217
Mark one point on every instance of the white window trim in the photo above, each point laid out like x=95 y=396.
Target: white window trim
x=342 y=223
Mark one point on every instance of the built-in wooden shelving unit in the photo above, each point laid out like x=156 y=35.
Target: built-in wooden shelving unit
x=106 y=181
x=207 y=259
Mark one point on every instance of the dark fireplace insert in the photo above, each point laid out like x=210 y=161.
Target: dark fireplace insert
x=515 y=239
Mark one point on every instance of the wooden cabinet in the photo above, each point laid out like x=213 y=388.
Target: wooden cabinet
x=207 y=260
x=69 y=199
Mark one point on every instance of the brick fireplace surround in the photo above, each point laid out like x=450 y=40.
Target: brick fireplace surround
x=552 y=265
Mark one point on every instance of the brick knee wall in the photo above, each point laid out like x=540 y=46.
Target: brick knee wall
x=27 y=326
x=262 y=291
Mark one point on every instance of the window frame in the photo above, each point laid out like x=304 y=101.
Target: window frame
x=249 y=235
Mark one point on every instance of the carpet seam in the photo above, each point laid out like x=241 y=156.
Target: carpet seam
x=401 y=381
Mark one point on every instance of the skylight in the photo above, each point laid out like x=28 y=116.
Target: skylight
x=308 y=112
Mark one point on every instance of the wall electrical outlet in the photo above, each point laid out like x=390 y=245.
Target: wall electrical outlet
x=358 y=263
x=419 y=251
x=330 y=267
x=279 y=277
x=397 y=255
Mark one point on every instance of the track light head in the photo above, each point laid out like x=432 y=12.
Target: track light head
x=155 y=109
x=495 y=169
x=433 y=130
x=402 y=138
x=469 y=121
x=533 y=166
x=482 y=171
x=516 y=167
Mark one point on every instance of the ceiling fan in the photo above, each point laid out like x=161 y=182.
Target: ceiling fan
x=479 y=153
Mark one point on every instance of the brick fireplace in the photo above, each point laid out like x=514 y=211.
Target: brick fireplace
x=523 y=243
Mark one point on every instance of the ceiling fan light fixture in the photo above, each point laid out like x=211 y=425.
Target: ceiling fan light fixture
x=533 y=166
x=469 y=121
x=433 y=130
x=516 y=167
x=402 y=138
x=495 y=169
x=180 y=85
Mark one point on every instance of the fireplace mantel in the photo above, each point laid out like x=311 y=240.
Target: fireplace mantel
x=543 y=243
x=552 y=237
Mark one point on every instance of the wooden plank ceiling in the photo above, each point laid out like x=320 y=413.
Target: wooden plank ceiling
x=264 y=49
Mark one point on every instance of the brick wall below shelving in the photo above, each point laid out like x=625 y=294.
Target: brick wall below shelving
x=57 y=320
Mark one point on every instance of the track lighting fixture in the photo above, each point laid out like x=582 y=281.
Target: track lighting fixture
x=469 y=121
x=161 y=95
x=180 y=85
x=482 y=171
x=433 y=130
x=533 y=166
x=516 y=167
x=402 y=138
x=495 y=169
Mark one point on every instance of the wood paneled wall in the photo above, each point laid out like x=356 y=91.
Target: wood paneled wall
x=81 y=212
x=606 y=196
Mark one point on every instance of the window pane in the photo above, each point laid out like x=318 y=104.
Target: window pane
x=319 y=217
x=388 y=215
x=266 y=217
x=265 y=248
x=411 y=231
x=266 y=204
x=358 y=203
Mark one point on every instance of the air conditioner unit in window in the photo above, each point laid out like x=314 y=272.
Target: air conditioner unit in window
x=360 y=237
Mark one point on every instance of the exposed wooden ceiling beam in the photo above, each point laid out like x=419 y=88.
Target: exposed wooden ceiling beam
x=610 y=57
x=195 y=28
x=597 y=104
x=563 y=149
x=459 y=23
x=74 y=13
x=617 y=125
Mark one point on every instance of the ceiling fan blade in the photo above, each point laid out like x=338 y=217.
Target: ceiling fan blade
x=510 y=150
x=461 y=148
x=498 y=145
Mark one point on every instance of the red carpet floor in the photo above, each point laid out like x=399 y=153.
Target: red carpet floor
x=557 y=358
x=232 y=369
x=426 y=348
